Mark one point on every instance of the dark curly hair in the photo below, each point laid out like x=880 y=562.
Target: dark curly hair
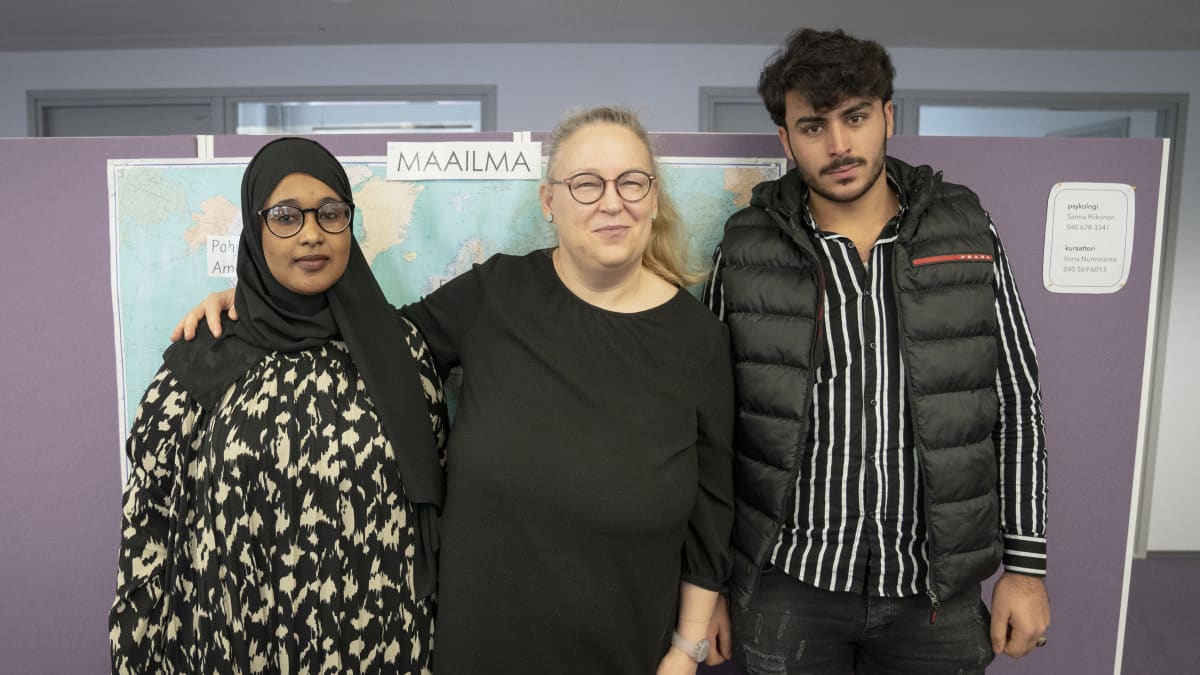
x=826 y=68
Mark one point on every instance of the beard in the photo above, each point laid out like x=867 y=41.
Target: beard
x=874 y=170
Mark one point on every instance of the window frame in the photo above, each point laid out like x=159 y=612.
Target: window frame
x=223 y=102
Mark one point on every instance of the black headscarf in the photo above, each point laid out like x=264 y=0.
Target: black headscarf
x=275 y=319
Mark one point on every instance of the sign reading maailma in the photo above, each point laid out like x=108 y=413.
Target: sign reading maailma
x=464 y=161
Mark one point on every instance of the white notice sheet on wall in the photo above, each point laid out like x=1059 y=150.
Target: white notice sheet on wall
x=1089 y=237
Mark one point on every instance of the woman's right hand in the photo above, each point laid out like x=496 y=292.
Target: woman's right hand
x=210 y=310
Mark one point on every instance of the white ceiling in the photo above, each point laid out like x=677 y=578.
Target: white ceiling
x=1044 y=24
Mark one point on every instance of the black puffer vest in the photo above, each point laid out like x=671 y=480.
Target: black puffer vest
x=945 y=297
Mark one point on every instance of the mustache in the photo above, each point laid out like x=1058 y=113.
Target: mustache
x=842 y=163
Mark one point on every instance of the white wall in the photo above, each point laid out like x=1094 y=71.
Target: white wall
x=537 y=82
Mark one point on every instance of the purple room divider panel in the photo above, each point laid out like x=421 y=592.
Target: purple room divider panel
x=60 y=502
x=59 y=491
x=1092 y=355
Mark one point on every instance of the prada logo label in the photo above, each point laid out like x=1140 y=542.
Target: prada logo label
x=953 y=257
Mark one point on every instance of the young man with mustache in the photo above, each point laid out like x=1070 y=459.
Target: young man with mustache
x=890 y=448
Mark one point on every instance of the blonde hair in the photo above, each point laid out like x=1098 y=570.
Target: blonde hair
x=666 y=254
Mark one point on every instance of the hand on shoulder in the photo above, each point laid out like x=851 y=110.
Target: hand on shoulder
x=209 y=310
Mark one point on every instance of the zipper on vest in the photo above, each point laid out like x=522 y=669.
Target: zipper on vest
x=920 y=456
x=813 y=354
x=816 y=353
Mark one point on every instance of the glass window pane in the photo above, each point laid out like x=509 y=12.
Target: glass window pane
x=742 y=117
x=963 y=120
x=359 y=117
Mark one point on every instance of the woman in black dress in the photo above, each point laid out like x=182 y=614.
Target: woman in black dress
x=283 y=476
x=589 y=496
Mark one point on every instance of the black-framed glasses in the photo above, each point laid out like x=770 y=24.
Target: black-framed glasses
x=587 y=187
x=287 y=221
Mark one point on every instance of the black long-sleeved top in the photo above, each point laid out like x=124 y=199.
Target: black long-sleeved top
x=589 y=471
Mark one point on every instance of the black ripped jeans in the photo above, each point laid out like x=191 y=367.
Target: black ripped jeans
x=792 y=627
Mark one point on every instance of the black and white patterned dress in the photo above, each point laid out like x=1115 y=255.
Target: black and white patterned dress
x=274 y=535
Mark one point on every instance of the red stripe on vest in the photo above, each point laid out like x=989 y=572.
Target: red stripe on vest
x=953 y=257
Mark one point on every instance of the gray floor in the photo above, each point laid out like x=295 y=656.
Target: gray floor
x=1162 y=633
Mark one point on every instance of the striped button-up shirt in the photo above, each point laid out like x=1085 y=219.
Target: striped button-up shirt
x=856 y=523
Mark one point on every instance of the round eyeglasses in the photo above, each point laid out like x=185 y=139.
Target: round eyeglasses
x=587 y=187
x=287 y=221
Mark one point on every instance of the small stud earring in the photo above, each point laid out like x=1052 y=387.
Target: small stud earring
x=654 y=215
x=549 y=216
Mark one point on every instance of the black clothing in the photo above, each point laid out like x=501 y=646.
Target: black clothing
x=822 y=632
x=589 y=472
x=284 y=478
x=274 y=319
x=939 y=304
x=272 y=533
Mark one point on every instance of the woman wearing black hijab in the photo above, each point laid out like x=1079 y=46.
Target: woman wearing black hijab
x=283 y=477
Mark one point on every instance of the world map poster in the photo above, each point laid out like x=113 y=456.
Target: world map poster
x=175 y=224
